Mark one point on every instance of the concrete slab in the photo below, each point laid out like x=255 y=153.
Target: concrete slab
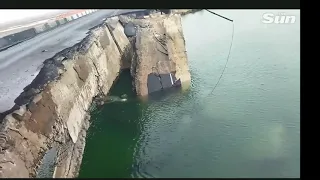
x=159 y=82
x=118 y=33
x=153 y=83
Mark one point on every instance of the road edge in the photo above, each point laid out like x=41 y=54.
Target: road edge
x=16 y=38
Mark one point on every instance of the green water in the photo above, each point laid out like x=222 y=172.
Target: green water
x=249 y=126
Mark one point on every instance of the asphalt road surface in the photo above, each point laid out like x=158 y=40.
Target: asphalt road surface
x=29 y=19
x=20 y=64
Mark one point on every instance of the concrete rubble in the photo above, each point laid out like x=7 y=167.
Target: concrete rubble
x=53 y=111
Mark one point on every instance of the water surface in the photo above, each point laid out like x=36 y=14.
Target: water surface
x=248 y=127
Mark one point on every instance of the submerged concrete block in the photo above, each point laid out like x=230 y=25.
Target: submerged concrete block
x=154 y=83
x=158 y=82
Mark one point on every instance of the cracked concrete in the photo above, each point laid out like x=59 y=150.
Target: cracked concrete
x=53 y=110
x=159 y=49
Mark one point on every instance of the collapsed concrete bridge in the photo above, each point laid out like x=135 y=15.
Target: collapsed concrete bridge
x=52 y=113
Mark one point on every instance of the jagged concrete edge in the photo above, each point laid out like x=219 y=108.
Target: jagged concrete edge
x=51 y=70
x=42 y=26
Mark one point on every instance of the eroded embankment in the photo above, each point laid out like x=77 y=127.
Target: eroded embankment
x=53 y=111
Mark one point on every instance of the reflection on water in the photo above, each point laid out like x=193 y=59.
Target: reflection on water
x=249 y=126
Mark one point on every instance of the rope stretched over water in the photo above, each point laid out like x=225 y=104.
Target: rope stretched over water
x=225 y=66
x=219 y=15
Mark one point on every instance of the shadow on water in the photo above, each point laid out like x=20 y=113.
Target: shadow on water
x=112 y=135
